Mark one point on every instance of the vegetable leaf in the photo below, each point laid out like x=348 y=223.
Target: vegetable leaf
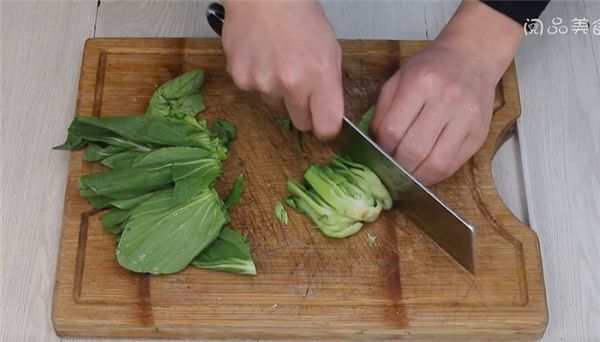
x=162 y=238
x=284 y=122
x=224 y=130
x=339 y=197
x=280 y=213
x=365 y=120
x=230 y=252
x=233 y=198
x=178 y=97
x=95 y=152
x=114 y=220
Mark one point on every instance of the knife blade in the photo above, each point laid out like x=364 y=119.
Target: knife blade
x=444 y=226
x=422 y=206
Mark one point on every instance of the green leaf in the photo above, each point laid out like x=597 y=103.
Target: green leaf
x=193 y=176
x=342 y=195
x=161 y=237
x=167 y=155
x=326 y=218
x=81 y=133
x=178 y=97
x=73 y=142
x=365 y=120
x=280 y=213
x=185 y=84
x=224 y=130
x=125 y=183
x=100 y=202
x=142 y=132
x=362 y=177
x=339 y=197
x=95 y=152
x=114 y=220
x=233 y=198
x=121 y=160
x=188 y=105
x=230 y=252
x=284 y=122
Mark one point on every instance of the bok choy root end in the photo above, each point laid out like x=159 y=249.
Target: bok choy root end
x=339 y=197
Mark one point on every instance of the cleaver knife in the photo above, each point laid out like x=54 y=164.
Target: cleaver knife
x=445 y=227
x=418 y=203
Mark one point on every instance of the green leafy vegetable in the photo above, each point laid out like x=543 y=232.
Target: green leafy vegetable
x=365 y=120
x=371 y=239
x=178 y=97
x=280 y=213
x=284 y=122
x=224 y=130
x=121 y=160
x=162 y=238
x=230 y=252
x=347 y=198
x=327 y=219
x=235 y=193
x=113 y=220
x=95 y=152
x=339 y=197
x=362 y=177
x=163 y=165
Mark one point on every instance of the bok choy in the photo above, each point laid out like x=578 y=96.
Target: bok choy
x=164 y=209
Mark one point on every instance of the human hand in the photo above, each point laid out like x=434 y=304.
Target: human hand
x=435 y=112
x=288 y=52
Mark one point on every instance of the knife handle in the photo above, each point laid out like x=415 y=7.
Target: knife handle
x=215 y=15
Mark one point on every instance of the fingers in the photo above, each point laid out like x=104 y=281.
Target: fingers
x=327 y=107
x=468 y=149
x=391 y=125
x=298 y=109
x=419 y=140
x=445 y=155
x=273 y=101
x=386 y=95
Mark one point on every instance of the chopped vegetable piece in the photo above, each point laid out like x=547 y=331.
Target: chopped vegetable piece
x=280 y=213
x=233 y=198
x=347 y=198
x=331 y=222
x=371 y=239
x=284 y=122
x=230 y=252
x=339 y=197
x=162 y=238
x=365 y=120
x=362 y=177
x=224 y=130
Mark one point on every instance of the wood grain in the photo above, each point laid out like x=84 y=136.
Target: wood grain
x=561 y=153
x=402 y=287
x=39 y=77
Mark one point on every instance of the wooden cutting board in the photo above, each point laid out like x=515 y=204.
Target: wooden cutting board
x=308 y=286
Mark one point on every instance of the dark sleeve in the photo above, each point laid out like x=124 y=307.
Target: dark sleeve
x=519 y=11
